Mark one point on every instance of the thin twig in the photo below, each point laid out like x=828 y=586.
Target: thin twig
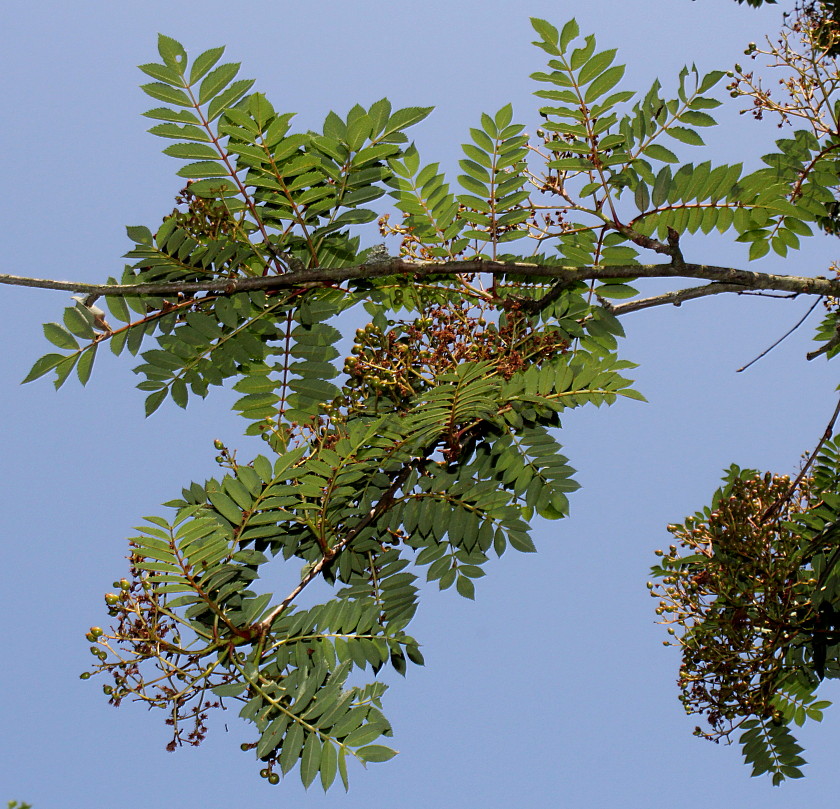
x=781 y=339
x=829 y=430
x=826 y=346
x=382 y=504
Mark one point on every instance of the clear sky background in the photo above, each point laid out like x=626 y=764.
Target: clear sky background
x=553 y=688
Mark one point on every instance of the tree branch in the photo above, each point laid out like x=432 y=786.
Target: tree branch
x=675 y=298
x=741 y=280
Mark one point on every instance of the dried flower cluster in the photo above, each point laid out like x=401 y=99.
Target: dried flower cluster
x=145 y=630
x=737 y=598
x=404 y=360
x=805 y=51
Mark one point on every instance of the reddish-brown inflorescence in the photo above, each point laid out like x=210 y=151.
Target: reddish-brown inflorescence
x=736 y=597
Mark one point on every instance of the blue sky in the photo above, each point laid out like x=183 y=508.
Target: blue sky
x=553 y=688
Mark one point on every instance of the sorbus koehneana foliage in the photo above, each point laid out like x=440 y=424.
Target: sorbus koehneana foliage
x=433 y=444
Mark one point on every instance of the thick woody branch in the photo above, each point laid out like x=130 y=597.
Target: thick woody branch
x=743 y=280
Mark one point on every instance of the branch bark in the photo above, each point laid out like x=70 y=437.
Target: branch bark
x=739 y=280
x=675 y=298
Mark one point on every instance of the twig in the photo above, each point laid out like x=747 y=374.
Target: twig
x=781 y=339
x=677 y=297
x=382 y=504
x=827 y=346
x=775 y=507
